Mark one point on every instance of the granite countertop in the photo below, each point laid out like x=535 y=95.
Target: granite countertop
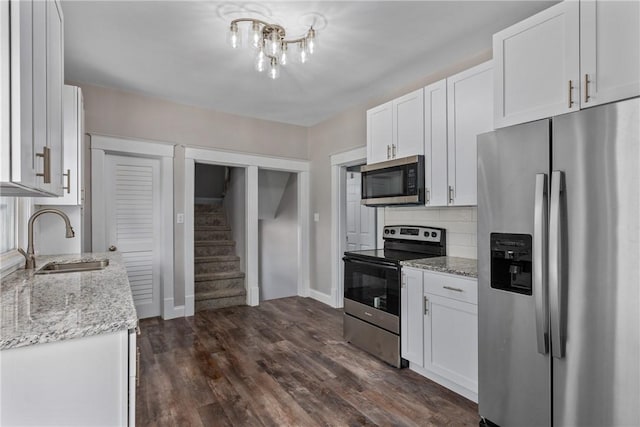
x=37 y=309
x=446 y=264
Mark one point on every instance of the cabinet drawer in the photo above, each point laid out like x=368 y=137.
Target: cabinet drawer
x=455 y=287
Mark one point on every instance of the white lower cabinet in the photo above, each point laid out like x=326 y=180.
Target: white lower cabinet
x=439 y=326
x=77 y=382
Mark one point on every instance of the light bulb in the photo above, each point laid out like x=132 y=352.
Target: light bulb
x=312 y=41
x=261 y=61
x=283 y=54
x=274 y=70
x=304 y=55
x=254 y=35
x=272 y=44
x=233 y=36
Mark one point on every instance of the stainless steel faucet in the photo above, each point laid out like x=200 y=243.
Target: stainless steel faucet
x=30 y=255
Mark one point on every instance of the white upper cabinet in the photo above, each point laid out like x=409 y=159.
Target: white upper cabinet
x=408 y=125
x=573 y=55
x=469 y=113
x=31 y=162
x=411 y=312
x=73 y=116
x=395 y=129
x=379 y=133
x=609 y=51
x=537 y=66
x=435 y=143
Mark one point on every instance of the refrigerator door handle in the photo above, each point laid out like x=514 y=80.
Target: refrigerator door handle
x=540 y=263
x=555 y=265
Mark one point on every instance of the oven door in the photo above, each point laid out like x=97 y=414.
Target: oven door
x=374 y=284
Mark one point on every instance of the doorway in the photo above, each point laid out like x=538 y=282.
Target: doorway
x=360 y=220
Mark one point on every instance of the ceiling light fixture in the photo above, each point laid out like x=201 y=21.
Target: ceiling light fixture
x=269 y=40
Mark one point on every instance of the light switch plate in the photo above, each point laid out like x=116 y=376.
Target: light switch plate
x=180 y=218
x=316 y=217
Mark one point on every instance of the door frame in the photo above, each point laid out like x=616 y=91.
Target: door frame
x=102 y=145
x=339 y=164
x=251 y=163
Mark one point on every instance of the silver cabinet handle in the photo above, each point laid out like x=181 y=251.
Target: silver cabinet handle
x=112 y=248
x=46 y=160
x=427 y=194
x=425 y=302
x=68 y=176
x=586 y=88
x=450 y=195
x=555 y=265
x=540 y=263
x=570 y=93
x=453 y=289
x=388 y=152
x=393 y=150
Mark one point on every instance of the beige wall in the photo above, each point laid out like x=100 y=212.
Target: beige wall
x=130 y=115
x=341 y=133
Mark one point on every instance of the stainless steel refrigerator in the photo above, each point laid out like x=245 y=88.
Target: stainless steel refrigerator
x=559 y=270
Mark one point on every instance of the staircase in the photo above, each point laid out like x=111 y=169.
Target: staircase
x=218 y=280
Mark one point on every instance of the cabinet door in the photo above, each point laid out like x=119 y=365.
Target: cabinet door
x=451 y=340
x=411 y=312
x=469 y=101
x=408 y=125
x=72 y=112
x=55 y=82
x=40 y=105
x=435 y=143
x=609 y=51
x=379 y=133
x=537 y=66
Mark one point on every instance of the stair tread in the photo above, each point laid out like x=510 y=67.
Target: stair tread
x=221 y=293
x=211 y=228
x=215 y=242
x=201 y=277
x=216 y=258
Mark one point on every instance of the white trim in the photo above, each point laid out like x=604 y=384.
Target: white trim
x=189 y=252
x=322 y=297
x=251 y=163
x=171 y=311
x=102 y=145
x=252 y=255
x=131 y=146
x=445 y=382
x=232 y=158
x=338 y=197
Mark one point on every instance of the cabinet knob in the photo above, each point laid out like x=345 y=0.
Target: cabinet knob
x=112 y=248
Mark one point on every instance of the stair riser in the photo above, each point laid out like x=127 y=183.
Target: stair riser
x=220 y=250
x=212 y=304
x=216 y=285
x=207 y=208
x=212 y=235
x=216 y=267
x=210 y=220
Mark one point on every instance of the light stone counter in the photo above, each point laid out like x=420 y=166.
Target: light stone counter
x=37 y=309
x=446 y=264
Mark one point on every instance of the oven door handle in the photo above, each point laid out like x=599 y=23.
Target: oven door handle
x=381 y=264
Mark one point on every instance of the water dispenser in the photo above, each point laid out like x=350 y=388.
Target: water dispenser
x=511 y=262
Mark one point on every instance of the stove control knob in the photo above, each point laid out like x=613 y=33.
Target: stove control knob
x=386 y=231
x=393 y=231
x=434 y=234
x=426 y=234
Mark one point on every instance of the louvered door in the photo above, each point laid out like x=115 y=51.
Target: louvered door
x=133 y=225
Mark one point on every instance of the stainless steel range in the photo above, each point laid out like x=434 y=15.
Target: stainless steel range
x=372 y=288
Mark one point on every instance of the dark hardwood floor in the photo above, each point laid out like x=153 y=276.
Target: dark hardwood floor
x=282 y=363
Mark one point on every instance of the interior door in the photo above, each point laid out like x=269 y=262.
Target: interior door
x=361 y=220
x=133 y=225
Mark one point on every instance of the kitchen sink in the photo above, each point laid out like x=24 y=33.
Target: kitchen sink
x=73 y=266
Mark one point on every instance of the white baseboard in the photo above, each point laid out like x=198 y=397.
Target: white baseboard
x=170 y=311
x=253 y=296
x=322 y=297
x=189 y=305
x=445 y=382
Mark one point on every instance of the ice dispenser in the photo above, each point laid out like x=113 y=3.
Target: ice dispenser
x=511 y=262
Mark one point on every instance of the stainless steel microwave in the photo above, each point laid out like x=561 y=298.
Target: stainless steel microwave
x=394 y=182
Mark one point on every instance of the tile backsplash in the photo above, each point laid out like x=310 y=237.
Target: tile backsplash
x=460 y=223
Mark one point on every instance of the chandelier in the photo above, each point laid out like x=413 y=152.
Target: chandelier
x=271 y=45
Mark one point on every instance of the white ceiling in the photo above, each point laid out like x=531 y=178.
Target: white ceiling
x=177 y=50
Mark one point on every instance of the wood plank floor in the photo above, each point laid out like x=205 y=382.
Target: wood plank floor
x=282 y=363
